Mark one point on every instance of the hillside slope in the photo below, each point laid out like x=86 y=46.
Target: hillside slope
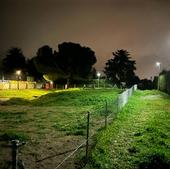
x=139 y=138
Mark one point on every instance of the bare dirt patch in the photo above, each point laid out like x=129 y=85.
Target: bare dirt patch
x=45 y=153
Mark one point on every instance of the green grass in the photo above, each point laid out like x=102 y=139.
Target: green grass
x=139 y=138
x=28 y=94
x=52 y=123
x=77 y=98
x=57 y=112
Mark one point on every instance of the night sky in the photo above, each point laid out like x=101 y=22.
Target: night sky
x=140 y=26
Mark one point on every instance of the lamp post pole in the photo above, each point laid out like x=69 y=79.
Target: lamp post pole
x=18 y=73
x=158 y=64
x=98 y=75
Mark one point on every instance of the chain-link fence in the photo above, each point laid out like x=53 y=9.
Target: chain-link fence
x=89 y=124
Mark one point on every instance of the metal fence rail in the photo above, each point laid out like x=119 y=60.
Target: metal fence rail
x=106 y=114
x=111 y=108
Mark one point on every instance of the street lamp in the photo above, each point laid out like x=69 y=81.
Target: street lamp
x=98 y=75
x=18 y=73
x=158 y=64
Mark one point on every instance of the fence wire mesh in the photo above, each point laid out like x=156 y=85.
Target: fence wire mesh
x=99 y=119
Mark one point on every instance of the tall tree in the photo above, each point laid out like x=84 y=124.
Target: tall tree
x=45 y=63
x=75 y=61
x=32 y=70
x=44 y=59
x=13 y=61
x=121 y=69
x=71 y=62
x=1 y=70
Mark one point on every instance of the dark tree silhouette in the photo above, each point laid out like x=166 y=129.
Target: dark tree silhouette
x=121 y=69
x=44 y=60
x=164 y=71
x=93 y=73
x=32 y=70
x=71 y=62
x=75 y=61
x=1 y=68
x=13 y=61
x=45 y=63
x=146 y=84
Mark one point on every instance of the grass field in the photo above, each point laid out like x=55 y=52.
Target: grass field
x=50 y=121
x=139 y=138
x=23 y=94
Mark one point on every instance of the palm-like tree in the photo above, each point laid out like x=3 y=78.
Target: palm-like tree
x=120 y=68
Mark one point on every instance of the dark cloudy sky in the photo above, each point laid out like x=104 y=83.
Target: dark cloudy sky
x=140 y=26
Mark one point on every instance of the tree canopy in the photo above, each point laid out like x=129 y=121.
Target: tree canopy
x=120 y=69
x=74 y=60
x=13 y=61
x=70 y=62
x=32 y=70
x=44 y=60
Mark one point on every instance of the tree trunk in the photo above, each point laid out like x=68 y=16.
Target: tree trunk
x=68 y=83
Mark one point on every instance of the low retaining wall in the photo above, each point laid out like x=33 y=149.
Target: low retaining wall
x=12 y=84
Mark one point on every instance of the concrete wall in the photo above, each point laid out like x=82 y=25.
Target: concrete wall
x=168 y=83
x=4 y=85
x=12 y=84
x=164 y=82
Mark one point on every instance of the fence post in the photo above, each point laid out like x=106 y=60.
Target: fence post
x=117 y=104
x=87 y=136
x=14 y=154
x=106 y=111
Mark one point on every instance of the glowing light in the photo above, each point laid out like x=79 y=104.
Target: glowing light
x=18 y=72
x=158 y=64
x=98 y=74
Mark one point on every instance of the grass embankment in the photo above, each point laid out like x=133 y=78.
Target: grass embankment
x=28 y=94
x=138 y=138
x=51 y=122
x=30 y=113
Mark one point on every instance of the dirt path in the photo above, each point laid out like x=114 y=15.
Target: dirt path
x=46 y=153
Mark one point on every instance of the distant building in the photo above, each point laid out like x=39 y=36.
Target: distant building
x=164 y=81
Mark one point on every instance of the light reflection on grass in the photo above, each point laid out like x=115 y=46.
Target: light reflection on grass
x=139 y=137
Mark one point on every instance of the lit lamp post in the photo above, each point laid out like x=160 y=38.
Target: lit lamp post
x=98 y=75
x=158 y=64
x=18 y=73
